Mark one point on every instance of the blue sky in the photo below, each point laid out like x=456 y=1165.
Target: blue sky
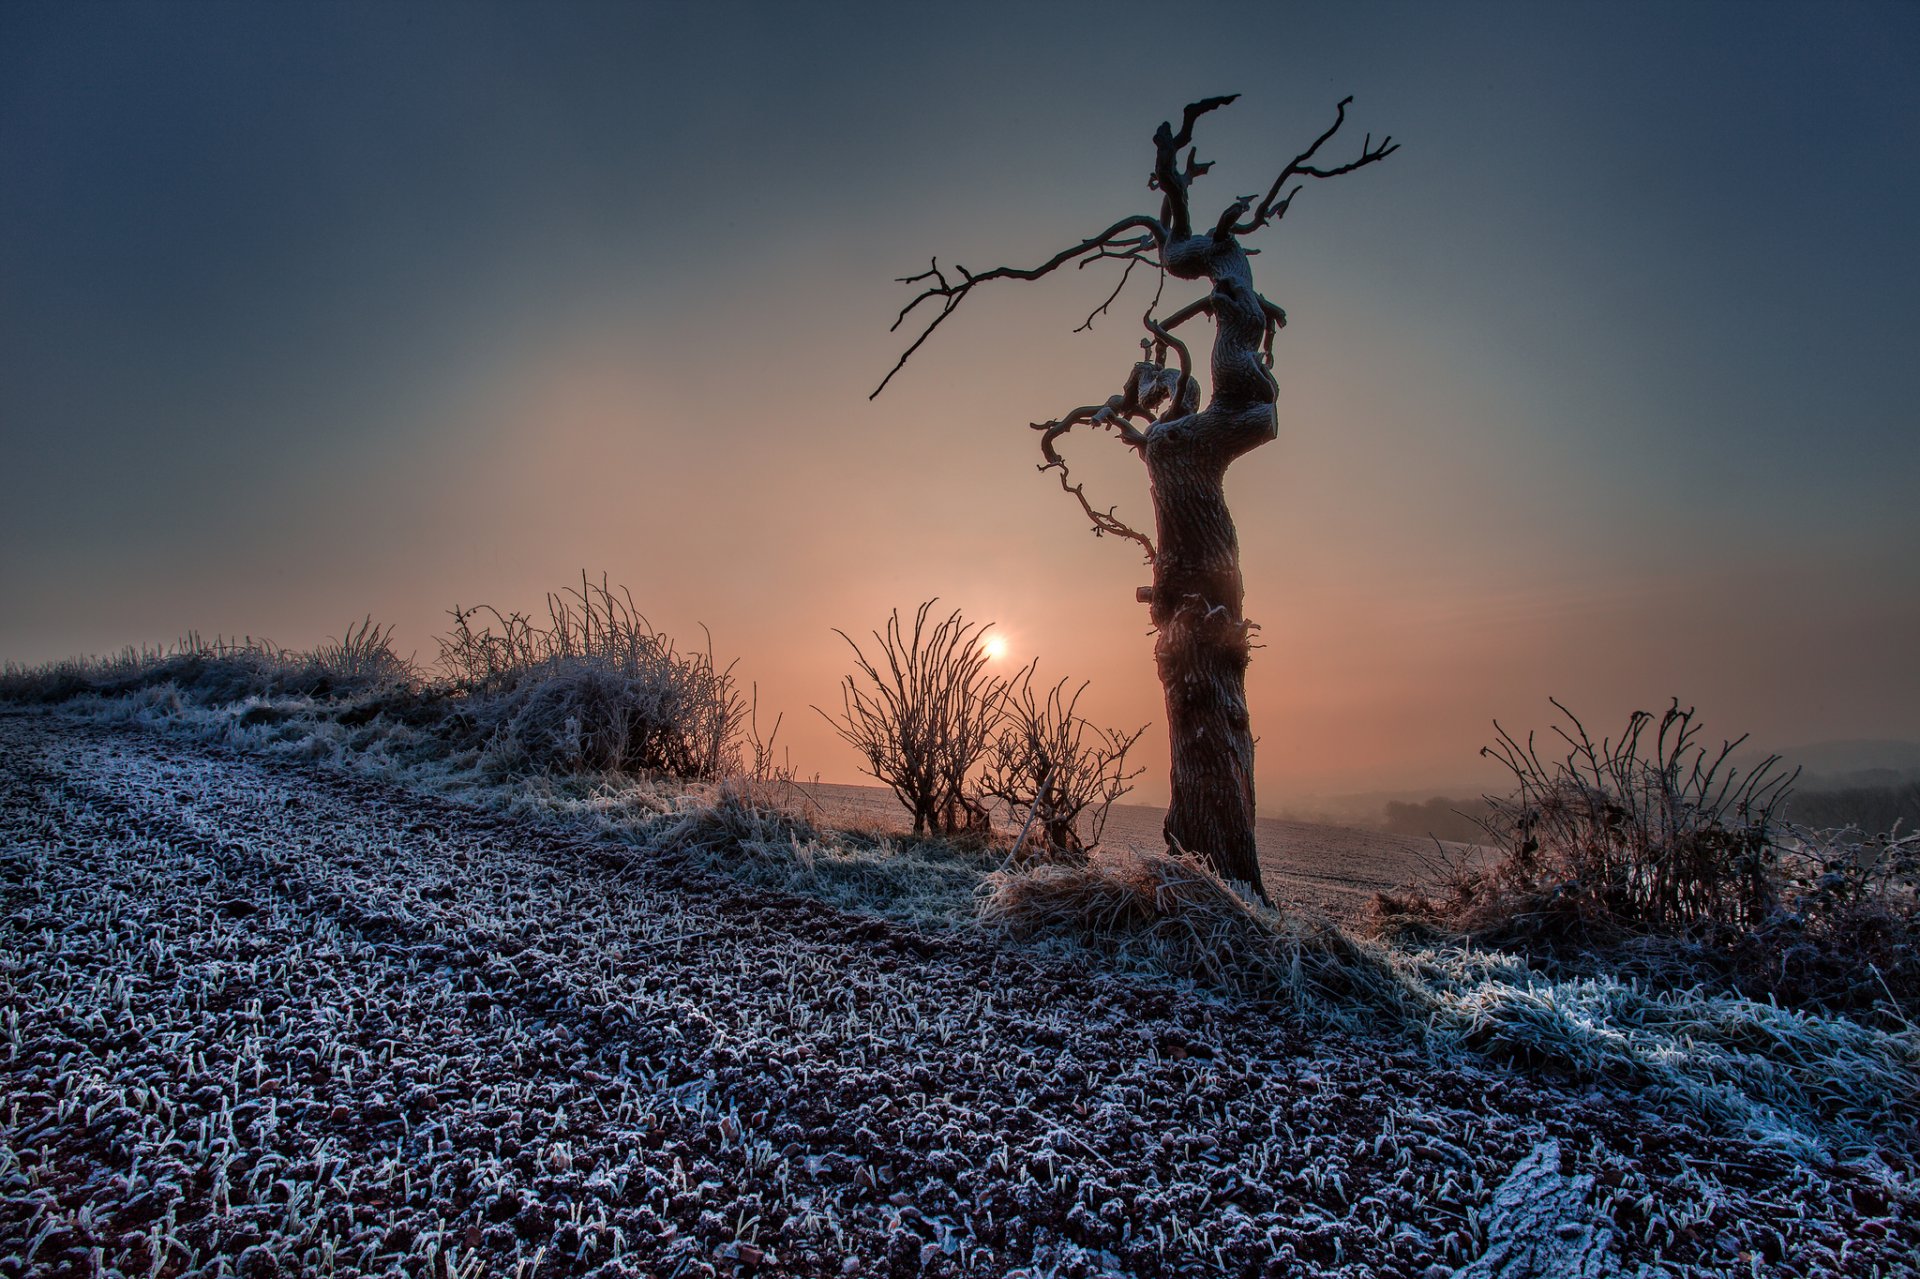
x=1602 y=387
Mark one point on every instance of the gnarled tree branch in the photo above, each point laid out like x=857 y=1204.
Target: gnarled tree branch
x=951 y=293
x=1274 y=207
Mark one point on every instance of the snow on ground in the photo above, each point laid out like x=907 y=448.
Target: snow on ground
x=260 y=1018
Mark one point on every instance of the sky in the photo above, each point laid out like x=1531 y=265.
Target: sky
x=1601 y=388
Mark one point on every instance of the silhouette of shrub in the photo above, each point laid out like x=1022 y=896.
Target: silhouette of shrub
x=1649 y=854
x=923 y=722
x=1046 y=760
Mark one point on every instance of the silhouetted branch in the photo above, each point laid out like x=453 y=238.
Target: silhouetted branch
x=1113 y=415
x=1125 y=275
x=1274 y=207
x=1105 y=523
x=952 y=293
x=1168 y=178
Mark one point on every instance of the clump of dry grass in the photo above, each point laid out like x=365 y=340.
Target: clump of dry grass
x=597 y=689
x=218 y=671
x=1173 y=913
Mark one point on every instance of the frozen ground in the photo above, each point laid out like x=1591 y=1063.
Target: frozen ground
x=264 y=1018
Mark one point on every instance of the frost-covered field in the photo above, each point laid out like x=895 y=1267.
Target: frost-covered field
x=264 y=1018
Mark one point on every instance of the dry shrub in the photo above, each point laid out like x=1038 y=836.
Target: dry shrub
x=1064 y=771
x=597 y=689
x=923 y=723
x=1847 y=934
x=1650 y=855
x=1635 y=835
x=1172 y=913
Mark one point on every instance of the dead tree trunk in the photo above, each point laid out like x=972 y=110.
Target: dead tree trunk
x=1197 y=597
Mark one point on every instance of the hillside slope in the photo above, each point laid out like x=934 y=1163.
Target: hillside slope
x=271 y=1014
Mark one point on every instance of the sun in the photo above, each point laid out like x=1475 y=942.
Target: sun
x=994 y=647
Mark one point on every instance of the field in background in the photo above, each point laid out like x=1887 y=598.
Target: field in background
x=1332 y=869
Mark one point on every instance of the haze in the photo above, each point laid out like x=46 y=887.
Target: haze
x=1602 y=387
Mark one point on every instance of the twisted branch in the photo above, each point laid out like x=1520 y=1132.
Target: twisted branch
x=1274 y=207
x=951 y=293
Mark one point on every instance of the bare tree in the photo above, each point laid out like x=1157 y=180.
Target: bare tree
x=1196 y=598
x=924 y=722
x=1065 y=771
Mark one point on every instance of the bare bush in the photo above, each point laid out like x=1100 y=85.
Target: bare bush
x=1650 y=855
x=597 y=689
x=1644 y=833
x=1847 y=933
x=1049 y=761
x=923 y=723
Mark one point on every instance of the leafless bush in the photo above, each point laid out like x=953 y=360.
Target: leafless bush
x=925 y=721
x=1847 y=933
x=596 y=689
x=1046 y=760
x=1652 y=855
x=1644 y=833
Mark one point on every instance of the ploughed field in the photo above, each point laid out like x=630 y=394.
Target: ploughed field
x=257 y=1018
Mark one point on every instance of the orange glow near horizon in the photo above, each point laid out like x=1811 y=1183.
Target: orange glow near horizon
x=1542 y=443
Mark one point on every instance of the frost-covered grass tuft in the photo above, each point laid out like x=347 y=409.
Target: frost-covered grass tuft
x=1174 y=914
x=1812 y=1084
x=219 y=671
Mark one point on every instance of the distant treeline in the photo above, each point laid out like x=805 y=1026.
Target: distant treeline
x=1872 y=809
x=1437 y=818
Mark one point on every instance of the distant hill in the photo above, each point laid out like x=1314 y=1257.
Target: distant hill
x=1846 y=765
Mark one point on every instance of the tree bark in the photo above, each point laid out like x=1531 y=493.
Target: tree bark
x=1202 y=643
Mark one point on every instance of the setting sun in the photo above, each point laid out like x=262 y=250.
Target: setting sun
x=994 y=647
